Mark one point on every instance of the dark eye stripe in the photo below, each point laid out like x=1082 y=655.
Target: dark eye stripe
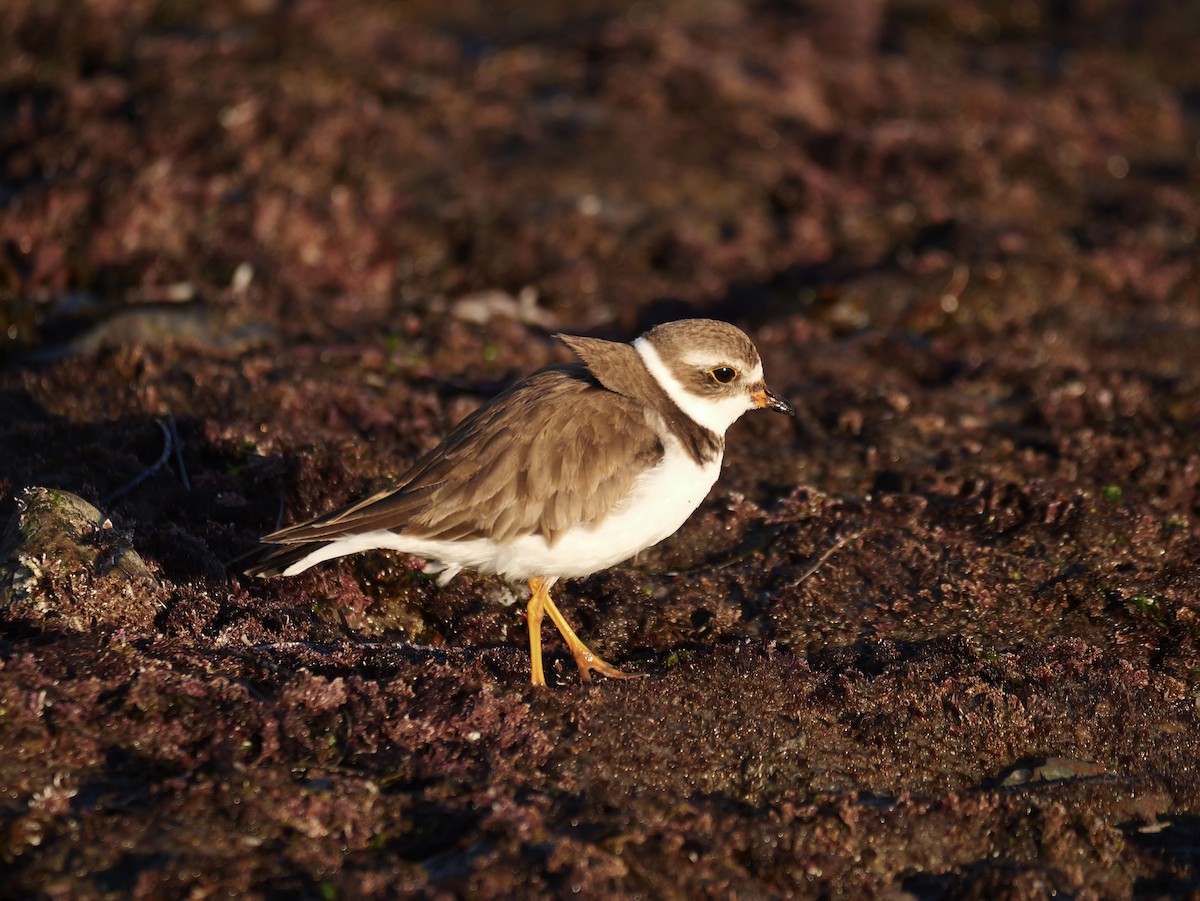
x=723 y=374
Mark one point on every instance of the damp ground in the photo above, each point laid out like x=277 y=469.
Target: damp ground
x=935 y=638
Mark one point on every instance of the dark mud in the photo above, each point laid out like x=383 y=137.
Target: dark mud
x=936 y=638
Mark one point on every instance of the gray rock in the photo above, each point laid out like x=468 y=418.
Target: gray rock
x=62 y=563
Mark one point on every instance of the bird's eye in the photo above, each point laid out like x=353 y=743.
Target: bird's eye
x=723 y=374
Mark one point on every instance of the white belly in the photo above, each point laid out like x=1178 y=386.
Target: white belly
x=660 y=502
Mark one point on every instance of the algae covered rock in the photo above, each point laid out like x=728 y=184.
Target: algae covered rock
x=63 y=564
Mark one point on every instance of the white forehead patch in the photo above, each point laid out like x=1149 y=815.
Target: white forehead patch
x=714 y=413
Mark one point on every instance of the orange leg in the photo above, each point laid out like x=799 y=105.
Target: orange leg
x=540 y=604
x=533 y=614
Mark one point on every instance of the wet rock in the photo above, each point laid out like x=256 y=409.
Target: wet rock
x=189 y=326
x=63 y=563
x=1050 y=769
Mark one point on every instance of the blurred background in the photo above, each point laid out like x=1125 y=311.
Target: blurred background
x=335 y=170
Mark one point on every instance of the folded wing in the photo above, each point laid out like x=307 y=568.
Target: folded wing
x=553 y=452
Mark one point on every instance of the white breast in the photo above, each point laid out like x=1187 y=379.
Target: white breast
x=661 y=501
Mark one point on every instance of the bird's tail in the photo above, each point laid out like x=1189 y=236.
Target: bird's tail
x=274 y=559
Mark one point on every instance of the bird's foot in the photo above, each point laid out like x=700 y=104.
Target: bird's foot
x=589 y=662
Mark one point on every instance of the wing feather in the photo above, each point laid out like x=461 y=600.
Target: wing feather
x=555 y=451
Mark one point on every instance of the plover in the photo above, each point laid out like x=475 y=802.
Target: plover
x=570 y=471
